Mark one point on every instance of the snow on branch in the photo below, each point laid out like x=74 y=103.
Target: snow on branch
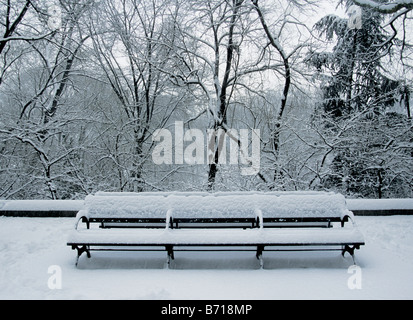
x=22 y=38
x=390 y=7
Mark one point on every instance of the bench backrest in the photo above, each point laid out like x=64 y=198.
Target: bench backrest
x=222 y=205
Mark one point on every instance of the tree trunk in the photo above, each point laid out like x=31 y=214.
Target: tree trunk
x=287 y=84
x=221 y=119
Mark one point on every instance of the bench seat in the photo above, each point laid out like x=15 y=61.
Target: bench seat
x=214 y=237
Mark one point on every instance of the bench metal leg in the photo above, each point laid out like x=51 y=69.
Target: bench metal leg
x=170 y=251
x=260 y=249
x=350 y=250
x=80 y=250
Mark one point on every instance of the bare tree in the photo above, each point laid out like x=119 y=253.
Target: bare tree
x=36 y=91
x=12 y=21
x=127 y=37
x=14 y=30
x=223 y=53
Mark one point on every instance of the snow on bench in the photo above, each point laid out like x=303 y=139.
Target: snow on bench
x=177 y=221
x=224 y=205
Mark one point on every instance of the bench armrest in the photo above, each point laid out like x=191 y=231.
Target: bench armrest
x=82 y=216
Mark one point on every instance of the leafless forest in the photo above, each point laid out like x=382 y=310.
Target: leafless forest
x=84 y=84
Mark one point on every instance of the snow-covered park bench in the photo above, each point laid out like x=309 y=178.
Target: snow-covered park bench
x=233 y=221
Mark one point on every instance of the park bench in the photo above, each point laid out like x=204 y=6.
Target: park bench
x=226 y=221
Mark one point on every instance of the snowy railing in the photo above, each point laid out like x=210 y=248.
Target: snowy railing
x=69 y=208
x=40 y=208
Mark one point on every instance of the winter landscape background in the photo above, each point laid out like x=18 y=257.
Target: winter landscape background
x=138 y=95
x=85 y=84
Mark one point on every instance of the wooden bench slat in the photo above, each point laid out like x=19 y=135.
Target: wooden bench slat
x=217 y=237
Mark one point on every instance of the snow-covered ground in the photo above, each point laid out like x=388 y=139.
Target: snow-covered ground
x=35 y=263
